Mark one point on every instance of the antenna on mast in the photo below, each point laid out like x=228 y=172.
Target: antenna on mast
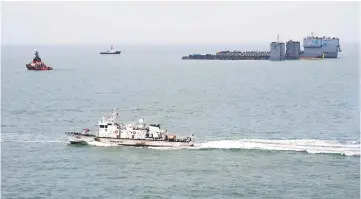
x=278 y=38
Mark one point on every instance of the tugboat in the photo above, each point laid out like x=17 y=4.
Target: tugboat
x=112 y=132
x=111 y=51
x=37 y=64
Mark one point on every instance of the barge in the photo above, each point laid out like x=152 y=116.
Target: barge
x=315 y=48
x=235 y=55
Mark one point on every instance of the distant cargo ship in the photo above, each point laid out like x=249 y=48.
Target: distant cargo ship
x=111 y=51
x=317 y=46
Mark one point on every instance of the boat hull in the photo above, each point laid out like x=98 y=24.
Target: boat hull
x=78 y=142
x=30 y=67
x=81 y=139
x=109 y=53
x=144 y=143
x=311 y=58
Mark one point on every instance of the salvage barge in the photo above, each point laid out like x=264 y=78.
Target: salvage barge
x=315 y=48
x=235 y=55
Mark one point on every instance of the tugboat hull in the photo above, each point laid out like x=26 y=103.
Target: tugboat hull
x=30 y=67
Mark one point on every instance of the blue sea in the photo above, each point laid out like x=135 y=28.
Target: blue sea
x=264 y=129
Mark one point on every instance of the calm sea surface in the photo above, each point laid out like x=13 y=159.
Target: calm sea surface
x=264 y=129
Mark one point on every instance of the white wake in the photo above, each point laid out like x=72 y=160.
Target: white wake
x=312 y=146
x=351 y=148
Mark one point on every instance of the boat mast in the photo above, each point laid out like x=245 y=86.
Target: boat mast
x=114 y=114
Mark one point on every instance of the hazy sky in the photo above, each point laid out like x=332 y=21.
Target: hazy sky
x=175 y=22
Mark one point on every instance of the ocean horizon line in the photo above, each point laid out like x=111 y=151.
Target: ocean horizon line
x=161 y=45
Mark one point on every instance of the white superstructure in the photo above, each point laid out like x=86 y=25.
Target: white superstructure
x=111 y=49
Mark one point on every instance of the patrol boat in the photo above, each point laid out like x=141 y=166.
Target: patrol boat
x=110 y=131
